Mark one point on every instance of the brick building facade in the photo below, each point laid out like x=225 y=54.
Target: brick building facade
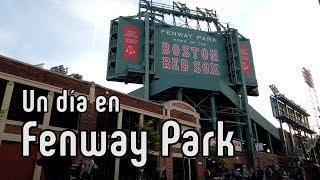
x=15 y=76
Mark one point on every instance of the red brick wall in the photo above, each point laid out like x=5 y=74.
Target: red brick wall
x=239 y=158
x=265 y=159
x=40 y=75
x=181 y=115
x=168 y=163
x=131 y=101
x=183 y=106
x=89 y=118
x=200 y=166
x=23 y=70
x=12 y=165
x=15 y=129
x=10 y=152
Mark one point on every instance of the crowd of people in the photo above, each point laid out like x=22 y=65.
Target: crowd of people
x=271 y=172
x=60 y=168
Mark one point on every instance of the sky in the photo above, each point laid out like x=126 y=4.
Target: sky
x=284 y=35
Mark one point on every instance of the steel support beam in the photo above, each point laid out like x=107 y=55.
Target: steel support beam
x=239 y=129
x=196 y=106
x=146 y=81
x=213 y=111
x=270 y=143
x=245 y=107
x=179 y=94
x=255 y=132
x=283 y=139
x=291 y=138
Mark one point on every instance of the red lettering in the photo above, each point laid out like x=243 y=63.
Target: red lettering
x=186 y=52
x=184 y=65
x=195 y=52
x=244 y=52
x=196 y=68
x=175 y=49
x=205 y=68
x=204 y=54
x=131 y=45
x=214 y=69
x=165 y=48
x=166 y=63
x=175 y=64
x=214 y=55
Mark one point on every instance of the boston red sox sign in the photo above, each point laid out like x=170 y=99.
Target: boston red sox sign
x=175 y=53
x=186 y=52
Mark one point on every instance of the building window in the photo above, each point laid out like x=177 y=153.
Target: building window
x=152 y=122
x=150 y=170
x=16 y=111
x=65 y=119
x=3 y=85
x=130 y=120
x=180 y=168
x=107 y=121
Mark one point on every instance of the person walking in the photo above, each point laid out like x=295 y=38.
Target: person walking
x=87 y=169
x=206 y=173
x=277 y=173
x=245 y=172
x=268 y=173
x=237 y=174
x=260 y=173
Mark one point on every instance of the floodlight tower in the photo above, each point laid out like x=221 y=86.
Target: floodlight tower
x=313 y=95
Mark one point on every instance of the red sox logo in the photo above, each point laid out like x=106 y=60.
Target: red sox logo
x=246 y=66
x=245 y=63
x=130 y=50
x=131 y=43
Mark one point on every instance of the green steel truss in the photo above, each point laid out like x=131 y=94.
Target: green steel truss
x=179 y=12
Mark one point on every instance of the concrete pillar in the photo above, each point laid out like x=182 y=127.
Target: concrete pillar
x=5 y=107
x=189 y=167
x=92 y=92
x=37 y=173
x=46 y=117
x=141 y=120
x=117 y=160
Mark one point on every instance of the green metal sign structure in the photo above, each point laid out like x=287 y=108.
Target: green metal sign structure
x=212 y=69
x=125 y=49
x=176 y=52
